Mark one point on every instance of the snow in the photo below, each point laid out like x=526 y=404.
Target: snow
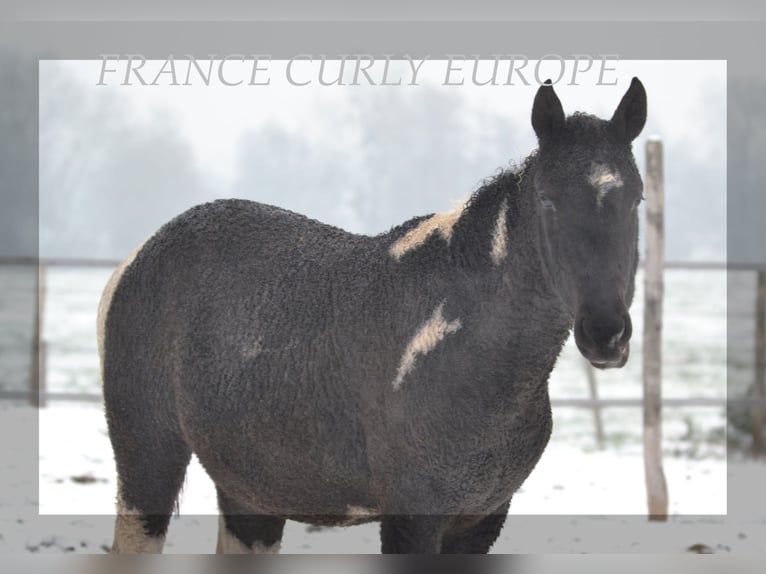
x=575 y=500
x=606 y=482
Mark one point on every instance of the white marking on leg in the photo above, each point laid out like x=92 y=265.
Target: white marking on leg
x=228 y=543
x=500 y=235
x=362 y=512
x=259 y=548
x=424 y=341
x=604 y=180
x=129 y=534
x=106 y=301
x=359 y=515
x=441 y=223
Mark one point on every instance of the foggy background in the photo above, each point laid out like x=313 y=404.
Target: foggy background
x=116 y=162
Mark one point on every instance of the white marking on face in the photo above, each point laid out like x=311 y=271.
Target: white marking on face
x=106 y=301
x=424 y=341
x=500 y=235
x=604 y=180
x=230 y=544
x=441 y=223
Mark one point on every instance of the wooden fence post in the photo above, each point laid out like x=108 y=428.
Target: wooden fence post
x=37 y=380
x=598 y=423
x=656 y=485
x=757 y=409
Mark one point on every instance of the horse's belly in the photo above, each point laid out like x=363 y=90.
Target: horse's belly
x=274 y=459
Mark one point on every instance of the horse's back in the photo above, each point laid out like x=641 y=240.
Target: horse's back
x=245 y=232
x=227 y=244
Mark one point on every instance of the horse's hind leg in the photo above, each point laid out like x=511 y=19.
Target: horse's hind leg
x=477 y=538
x=240 y=532
x=150 y=469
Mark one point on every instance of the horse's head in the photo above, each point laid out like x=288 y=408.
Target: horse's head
x=587 y=191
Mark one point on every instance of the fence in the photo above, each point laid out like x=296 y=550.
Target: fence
x=39 y=395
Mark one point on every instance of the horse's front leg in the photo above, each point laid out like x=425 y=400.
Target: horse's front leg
x=412 y=534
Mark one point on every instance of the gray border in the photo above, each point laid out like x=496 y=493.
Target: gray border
x=738 y=43
x=390 y=11
x=735 y=41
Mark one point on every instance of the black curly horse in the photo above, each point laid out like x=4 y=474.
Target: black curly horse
x=337 y=379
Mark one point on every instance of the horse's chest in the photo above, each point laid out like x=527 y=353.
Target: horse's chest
x=461 y=452
x=516 y=447
x=495 y=466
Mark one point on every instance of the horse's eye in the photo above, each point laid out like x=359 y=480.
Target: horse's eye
x=638 y=200
x=546 y=202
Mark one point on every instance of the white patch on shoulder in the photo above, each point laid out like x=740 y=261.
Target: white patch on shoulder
x=500 y=235
x=424 y=341
x=604 y=180
x=230 y=544
x=441 y=223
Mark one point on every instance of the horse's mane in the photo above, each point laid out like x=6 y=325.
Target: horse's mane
x=504 y=181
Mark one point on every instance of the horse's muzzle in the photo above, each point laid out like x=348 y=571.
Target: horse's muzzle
x=604 y=339
x=612 y=363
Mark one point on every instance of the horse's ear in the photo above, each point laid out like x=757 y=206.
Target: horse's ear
x=630 y=116
x=547 y=113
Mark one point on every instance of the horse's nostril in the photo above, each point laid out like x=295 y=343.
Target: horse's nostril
x=605 y=331
x=616 y=338
x=627 y=328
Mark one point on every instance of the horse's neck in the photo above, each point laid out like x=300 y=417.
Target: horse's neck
x=498 y=227
x=507 y=288
x=498 y=236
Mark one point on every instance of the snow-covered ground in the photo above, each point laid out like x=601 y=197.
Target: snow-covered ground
x=77 y=475
x=574 y=501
